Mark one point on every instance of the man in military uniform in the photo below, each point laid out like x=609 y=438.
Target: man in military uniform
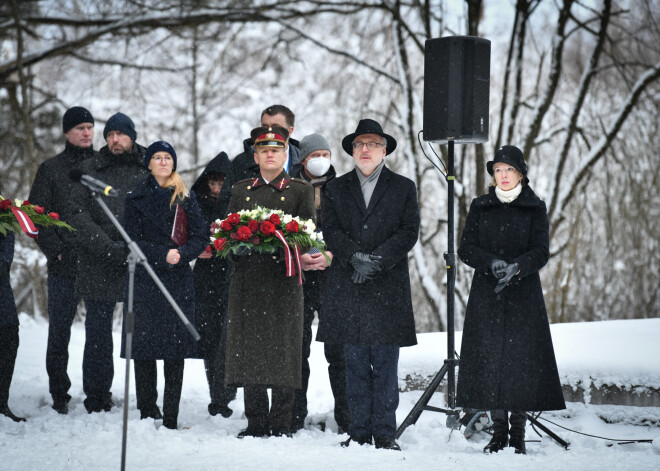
x=265 y=313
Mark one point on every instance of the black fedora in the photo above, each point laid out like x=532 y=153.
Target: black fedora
x=368 y=126
x=509 y=155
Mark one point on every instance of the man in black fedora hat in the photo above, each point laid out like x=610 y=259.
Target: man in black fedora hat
x=370 y=223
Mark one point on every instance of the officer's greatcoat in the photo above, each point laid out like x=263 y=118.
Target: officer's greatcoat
x=265 y=314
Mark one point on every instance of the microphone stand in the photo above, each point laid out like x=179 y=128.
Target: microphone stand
x=136 y=256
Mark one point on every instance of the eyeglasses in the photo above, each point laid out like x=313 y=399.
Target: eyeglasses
x=370 y=145
x=162 y=159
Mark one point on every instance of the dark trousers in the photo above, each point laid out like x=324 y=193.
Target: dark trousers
x=278 y=418
x=62 y=306
x=8 y=349
x=300 y=396
x=214 y=365
x=502 y=418
x=334 y=355
x=372 y=387
x=146 y=382
x=98 y=366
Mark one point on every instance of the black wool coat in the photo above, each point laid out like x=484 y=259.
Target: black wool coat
x=507 y=359
x=101 y=267
x=211 y=275
x=8 y=315
x=265 y=314
x=52 y=189
x=148 y=219
x=378 y=312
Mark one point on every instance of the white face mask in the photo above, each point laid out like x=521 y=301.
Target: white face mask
x=318 y=166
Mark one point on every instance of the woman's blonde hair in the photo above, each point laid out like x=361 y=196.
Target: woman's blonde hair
x=176 y=182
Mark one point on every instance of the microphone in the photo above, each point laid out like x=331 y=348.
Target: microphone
x=93 y=184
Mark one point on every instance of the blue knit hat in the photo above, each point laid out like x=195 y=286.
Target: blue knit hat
x=74 y=116
x=120 y=122
x=159 y=146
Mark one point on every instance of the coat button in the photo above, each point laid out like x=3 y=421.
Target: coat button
x=501 y=251
x=249 y=187
x=282 y=198
x=365 y=227
x=247 y=199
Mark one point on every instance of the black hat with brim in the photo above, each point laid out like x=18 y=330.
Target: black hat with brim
x=368 y=126
x=509 y=155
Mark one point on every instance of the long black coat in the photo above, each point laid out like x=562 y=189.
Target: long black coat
x=8 y=315
x=101 y=268
x=148 y=219
x=507 y=359
x=52 y=189
x=378 y=312
x=211 y=275
x=265 y=315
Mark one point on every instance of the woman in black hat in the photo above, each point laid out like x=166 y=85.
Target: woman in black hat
x=159 y=334
x=507 y=359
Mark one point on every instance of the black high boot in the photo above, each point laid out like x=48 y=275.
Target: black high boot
x=517 y=432
x=500 y=438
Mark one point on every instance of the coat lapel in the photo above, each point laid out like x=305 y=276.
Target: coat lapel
x=356 y=191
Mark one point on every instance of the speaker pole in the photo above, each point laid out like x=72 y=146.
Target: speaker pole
x=449 y=368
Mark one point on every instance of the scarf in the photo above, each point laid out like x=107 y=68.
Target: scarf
x=508 y=196
x=368 y=184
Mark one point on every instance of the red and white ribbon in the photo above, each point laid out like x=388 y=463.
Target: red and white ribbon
x=25 y=222
x=288 y=257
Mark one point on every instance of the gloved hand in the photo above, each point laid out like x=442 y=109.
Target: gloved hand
x=496 y=266
x=118 y=252
x=243 y=251
x=359 y=278
x=367 y=265
x=508 y=273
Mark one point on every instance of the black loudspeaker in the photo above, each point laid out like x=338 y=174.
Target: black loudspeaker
x=456 y=89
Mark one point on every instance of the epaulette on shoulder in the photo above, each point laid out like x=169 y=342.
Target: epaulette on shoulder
x=245 y=180
x=300 y=180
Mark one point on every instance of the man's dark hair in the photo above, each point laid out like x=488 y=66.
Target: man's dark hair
x=280 y=109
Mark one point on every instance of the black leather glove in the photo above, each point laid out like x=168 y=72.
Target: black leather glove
x=118 y=252
x=359 y=278
x=496 y=266
x=508 y=273
x=367 y=265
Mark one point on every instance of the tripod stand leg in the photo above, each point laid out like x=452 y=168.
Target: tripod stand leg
x=550 y=433
x=417 y=409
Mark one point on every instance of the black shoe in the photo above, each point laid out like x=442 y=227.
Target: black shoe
x=253 y=432
x=281 y=432
x=107 y=405
x=498 y=442
x=297 y=425
x=342 y=430
x=223 y=410
x=61 y=405
x=357 y=439
x=519 y=444
x=6 y=411
x=387 y=443
x=93 y=404
x=169 y=422
x=151 y=413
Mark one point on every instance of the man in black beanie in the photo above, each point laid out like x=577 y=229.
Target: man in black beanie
x=52 y=190
x=101 y=269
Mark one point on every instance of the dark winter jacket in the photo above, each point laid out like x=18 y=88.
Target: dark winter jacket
x=211 y=275
x=265 y=315
x=377 y=312
x=8 y=314
x=101 y=269
x=52 y=189
x=507 y=359
x=243 y=166
x=148 y=219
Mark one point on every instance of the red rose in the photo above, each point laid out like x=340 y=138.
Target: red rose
x=54 y=216
x=243 y=233
x=26 y=203
x=255 y=240
x=275 y=219
x=292 y=226
x=226 y=226
x=253 y=225
x=220 y=243
x=38 y=209
x=233 y=219
x=4 y=204
x=268 y=228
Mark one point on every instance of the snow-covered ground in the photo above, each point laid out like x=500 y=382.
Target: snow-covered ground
x=617 y=352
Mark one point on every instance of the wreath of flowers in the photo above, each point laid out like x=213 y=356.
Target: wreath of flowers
x=263 y=230
x=17 y=215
